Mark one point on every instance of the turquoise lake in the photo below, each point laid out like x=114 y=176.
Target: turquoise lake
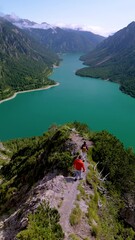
x=95 y=102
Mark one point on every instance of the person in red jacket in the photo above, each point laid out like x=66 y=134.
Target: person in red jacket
x=79 y=167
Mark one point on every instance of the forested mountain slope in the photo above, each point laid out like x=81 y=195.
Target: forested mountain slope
x=66 y=40
x=24 y=63
x=114 y=60
x=38 y=175
x=60 y=40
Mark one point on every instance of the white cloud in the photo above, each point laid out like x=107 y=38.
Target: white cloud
x=9 y=17
x=94 y=29
x=1 y=14
x=14 y=16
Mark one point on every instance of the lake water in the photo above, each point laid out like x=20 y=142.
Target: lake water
x=95 y=102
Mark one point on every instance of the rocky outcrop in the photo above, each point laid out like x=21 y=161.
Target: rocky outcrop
x=128 y=213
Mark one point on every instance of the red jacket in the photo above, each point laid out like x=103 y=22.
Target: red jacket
x=78 y=164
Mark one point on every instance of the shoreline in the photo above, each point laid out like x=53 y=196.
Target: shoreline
x=32 y=90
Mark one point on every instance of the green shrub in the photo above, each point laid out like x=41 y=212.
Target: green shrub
x=43 y=225
x=114 y=160
x=62 y=160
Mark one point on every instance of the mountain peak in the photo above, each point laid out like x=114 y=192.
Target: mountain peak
x=131 y=25
x=25 y=23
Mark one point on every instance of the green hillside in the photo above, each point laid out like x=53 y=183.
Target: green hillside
x=24 y=63
x=112 y=184
x=114 y=60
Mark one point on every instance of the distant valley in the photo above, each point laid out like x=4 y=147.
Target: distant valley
x=29 y=51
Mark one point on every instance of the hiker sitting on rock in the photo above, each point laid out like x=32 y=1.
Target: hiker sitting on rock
x=79 y=167
x=84 y=149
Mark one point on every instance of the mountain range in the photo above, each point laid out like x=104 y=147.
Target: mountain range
x=25 y=23
x=59 y=40
x=114 y=60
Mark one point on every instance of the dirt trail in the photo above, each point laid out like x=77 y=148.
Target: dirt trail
x=71 y=191
x=67 y=206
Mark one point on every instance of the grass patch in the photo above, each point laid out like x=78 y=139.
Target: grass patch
x=75 y=216
x=94 y=231
x=73 y=237
x=82 y=191
x=78 y=198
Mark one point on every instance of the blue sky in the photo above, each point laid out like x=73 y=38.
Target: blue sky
x=100 y=16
